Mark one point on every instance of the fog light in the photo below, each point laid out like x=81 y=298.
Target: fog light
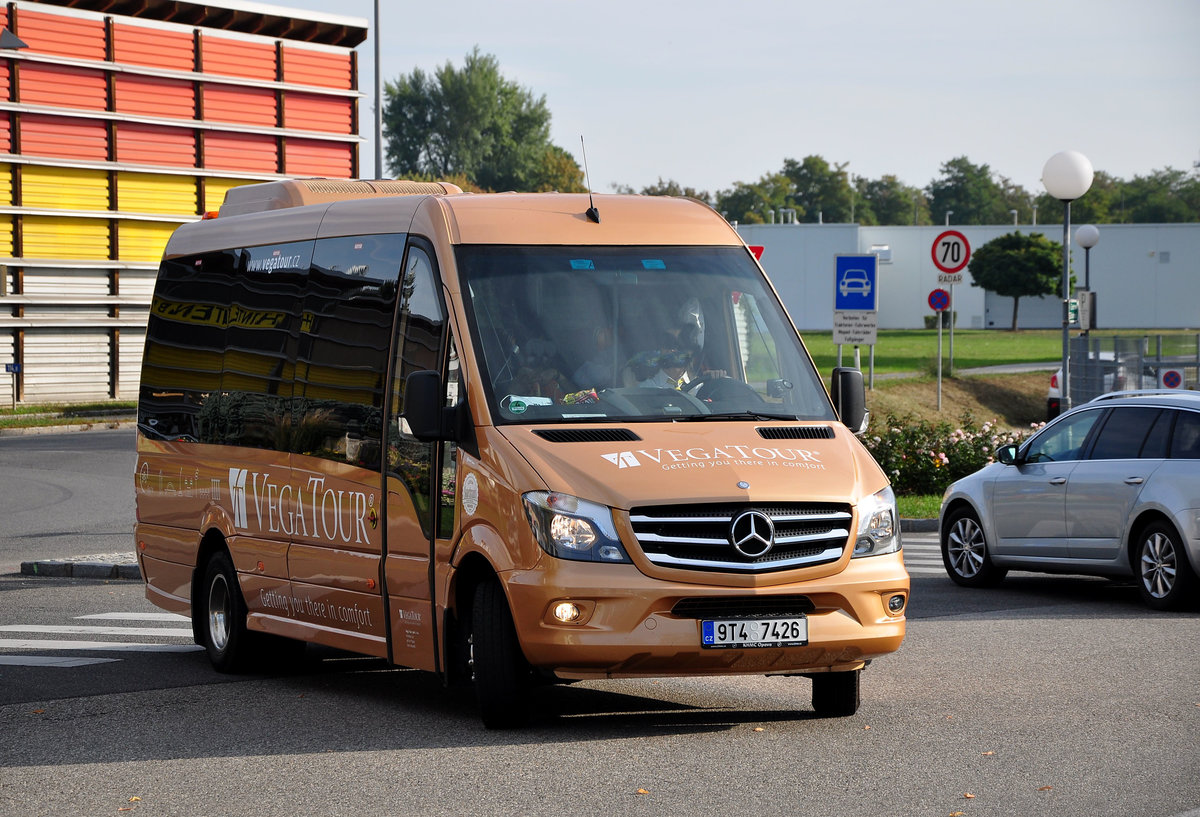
x=896 y=604
x=567 y=612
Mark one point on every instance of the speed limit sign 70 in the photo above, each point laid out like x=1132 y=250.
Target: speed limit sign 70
x=951 y=252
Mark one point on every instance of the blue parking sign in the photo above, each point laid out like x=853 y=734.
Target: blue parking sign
x=855 y=283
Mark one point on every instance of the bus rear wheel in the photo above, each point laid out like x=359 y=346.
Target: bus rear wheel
x=224 y=617
x=502 y=676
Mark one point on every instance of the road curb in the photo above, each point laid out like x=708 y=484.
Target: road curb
x=86 y=568
x=918 y=525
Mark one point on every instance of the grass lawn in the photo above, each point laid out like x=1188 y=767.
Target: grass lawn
x=915 y=350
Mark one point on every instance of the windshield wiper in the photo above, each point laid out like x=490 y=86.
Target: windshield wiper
x=736 y=415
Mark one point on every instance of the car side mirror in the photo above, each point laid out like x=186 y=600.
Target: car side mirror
x=1007 y=454
x=849 y=398
x=428 y=418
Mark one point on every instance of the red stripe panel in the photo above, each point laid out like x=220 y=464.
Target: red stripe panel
x=154 y=96
x=63 y=86
x=303 y=66
x=240 y=151
x=245 y=106
x=4 y=79
x=155 y=145
x=238 y=58
x=5 y=132
x=317 y=112
x=61 y=35
x=312 y=157
x=64 y=137
x=168 y=50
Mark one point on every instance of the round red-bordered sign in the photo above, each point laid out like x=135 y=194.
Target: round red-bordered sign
x=951 y=251
x=939 y=300
x=1172 y=379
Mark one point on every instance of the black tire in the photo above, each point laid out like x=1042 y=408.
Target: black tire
x=1165 y=577
x=965 y=551
x=835 y=694
x=502 y=676
x=223 y=626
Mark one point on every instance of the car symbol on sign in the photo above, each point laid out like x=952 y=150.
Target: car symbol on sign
x=855 y=280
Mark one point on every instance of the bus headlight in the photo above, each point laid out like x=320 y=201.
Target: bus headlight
x=878 y=531
x=572 y=528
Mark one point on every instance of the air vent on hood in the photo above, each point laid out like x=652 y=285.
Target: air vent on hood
x=797 y=433
x=587 y=435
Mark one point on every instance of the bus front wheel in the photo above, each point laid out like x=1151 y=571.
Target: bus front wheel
x=502 y=676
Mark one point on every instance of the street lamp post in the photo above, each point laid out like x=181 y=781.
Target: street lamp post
x=1013 y=213
x=1087 y=237
x=1067 y=175
x=948 y=214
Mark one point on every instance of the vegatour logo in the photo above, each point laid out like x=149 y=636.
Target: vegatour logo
x=313 y=510
x=670 y=459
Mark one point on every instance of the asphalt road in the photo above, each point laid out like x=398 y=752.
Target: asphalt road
x=1046 y=695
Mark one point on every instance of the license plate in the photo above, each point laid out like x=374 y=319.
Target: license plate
x=755 y=632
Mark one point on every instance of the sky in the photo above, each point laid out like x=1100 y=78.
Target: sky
x=709 y=93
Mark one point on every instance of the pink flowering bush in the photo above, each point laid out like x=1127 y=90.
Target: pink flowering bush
x=923 y=458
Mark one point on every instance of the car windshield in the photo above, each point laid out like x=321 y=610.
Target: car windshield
x=592 y=334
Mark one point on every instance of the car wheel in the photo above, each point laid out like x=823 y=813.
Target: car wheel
x=965 y=551
x=1165 y=577
x=835 y=694
x=224 y=617
x=502 y=676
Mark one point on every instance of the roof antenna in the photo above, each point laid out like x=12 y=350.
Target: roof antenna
x=592 y=212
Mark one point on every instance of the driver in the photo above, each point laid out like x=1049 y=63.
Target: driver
x=669 y=363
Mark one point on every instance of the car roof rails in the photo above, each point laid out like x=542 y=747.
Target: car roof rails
x=1113 y=395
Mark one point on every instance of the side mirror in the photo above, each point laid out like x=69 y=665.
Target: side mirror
x=1007 y=454
x=849 y=398
x=423 y=406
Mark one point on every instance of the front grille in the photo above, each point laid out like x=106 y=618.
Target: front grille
x=697 y=537
x=744 y=607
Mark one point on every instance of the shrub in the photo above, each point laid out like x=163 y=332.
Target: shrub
x=920 y=457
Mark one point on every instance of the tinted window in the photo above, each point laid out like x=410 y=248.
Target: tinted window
x=1124 y=432
x=185 y=342
x=1185 y=443
x=418 y=348
x=345 y=334
x=1064 y=440
x=1155 y=447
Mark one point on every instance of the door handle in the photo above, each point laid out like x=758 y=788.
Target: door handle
x=1134 y=481
x=1058 y=481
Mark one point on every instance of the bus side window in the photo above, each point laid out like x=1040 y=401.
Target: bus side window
x=421 y=323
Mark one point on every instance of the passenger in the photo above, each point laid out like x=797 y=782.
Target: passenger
x=597 y=372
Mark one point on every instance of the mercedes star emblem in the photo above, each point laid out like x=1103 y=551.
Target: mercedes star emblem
x=752 y=534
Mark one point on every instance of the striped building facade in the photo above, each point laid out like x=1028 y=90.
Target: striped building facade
x=119 y=122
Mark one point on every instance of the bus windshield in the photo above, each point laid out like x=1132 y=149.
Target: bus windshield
x=596 y=334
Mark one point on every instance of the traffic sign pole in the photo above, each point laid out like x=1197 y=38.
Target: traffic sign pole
x=939 y=301
x=951 y=252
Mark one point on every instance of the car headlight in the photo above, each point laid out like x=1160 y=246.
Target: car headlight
x=878 y=532
x=572 y=528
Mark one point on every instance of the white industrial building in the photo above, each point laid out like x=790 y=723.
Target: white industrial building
x=1144 y=276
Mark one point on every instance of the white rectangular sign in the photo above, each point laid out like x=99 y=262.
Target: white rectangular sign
x=950 y=277
x=854 y=327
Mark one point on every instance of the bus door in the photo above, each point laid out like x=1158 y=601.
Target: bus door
x=420 y=476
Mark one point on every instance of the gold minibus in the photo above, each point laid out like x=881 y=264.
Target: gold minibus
x=512 y=439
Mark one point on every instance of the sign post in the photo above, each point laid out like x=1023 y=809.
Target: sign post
x=14 y=369
x=855 y=304
x=951 y=251
x=939 y=301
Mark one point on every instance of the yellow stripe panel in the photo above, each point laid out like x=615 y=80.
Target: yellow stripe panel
x=6 y=187
x=156 y=193
x=60 y=237
x=143 y=240
x=6 y=234
x=214 y=191
x=64 y=188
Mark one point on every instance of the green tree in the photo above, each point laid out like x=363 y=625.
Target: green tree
x=969 y=192
x=670 y=187
x=1165 y=196
x=754 y=203
x=894 y=203
x=473 y=122
x=822 y=190
x=1017 y=265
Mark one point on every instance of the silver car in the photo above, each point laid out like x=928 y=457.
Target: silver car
x=1111 y=488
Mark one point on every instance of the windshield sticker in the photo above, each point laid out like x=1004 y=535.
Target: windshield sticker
x=582 y=263
x=675 y=459
x=653 y=263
